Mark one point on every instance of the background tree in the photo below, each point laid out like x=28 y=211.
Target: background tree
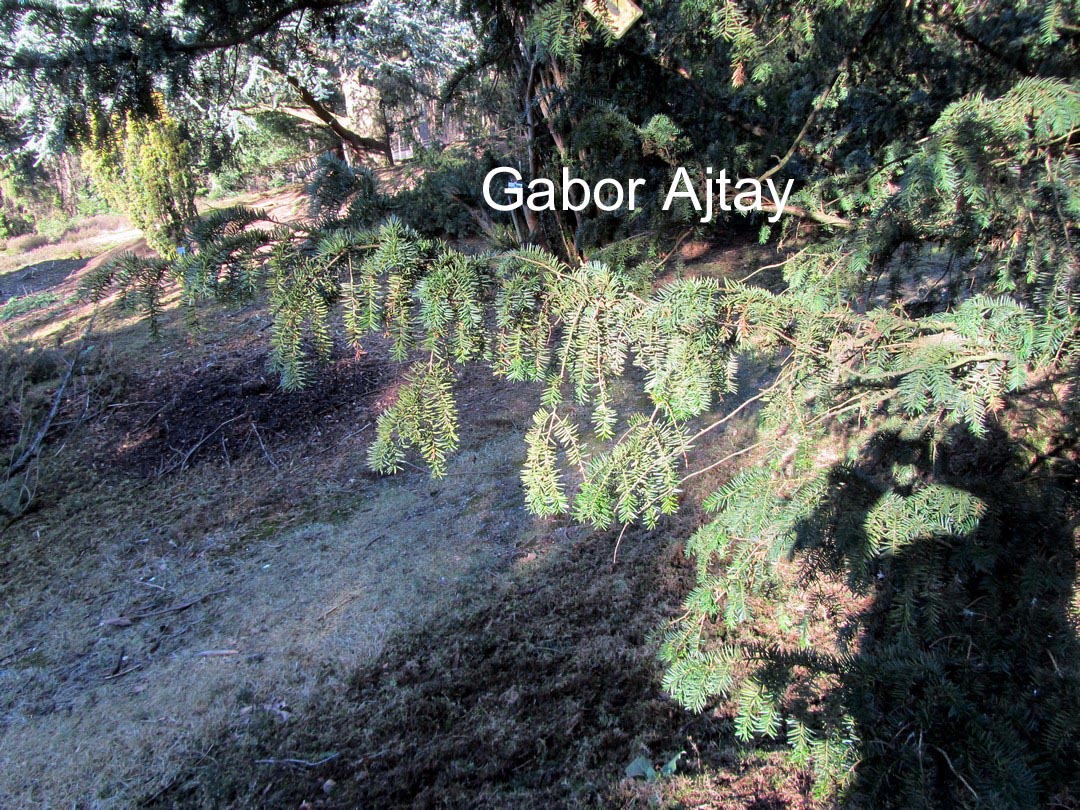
x=142 y=166
x=214 y=61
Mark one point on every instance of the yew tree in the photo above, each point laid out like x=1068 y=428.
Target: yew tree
x=887 y=585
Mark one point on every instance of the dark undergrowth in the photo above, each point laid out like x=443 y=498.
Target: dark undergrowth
x=235 y=409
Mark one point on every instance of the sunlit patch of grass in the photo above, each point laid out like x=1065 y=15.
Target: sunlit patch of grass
x=22 y=304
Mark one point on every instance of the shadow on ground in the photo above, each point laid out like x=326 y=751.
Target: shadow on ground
x=234 y=407
x=538 y=692
x=39 y=277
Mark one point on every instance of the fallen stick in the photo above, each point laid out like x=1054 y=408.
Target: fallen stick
x=342 y=440
x=207 y=653
x=203 y=440
x=301 y=762
x=32 y=449
x=124 y=621
x=263 y=446
x=122 y=672
x=155 y=414
x=350 y=598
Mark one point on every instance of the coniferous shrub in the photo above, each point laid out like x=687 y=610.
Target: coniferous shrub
x=142 y=166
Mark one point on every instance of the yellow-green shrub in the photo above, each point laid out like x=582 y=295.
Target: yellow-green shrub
x=142 y=167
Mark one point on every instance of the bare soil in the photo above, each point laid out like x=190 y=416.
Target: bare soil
x=232 y=407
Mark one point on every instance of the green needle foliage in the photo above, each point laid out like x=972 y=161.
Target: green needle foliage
x=141 y=283
x=424 y=418
x=142 y=167
x=888 y=588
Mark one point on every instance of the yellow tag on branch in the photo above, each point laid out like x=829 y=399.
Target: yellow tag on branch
x=617 y=15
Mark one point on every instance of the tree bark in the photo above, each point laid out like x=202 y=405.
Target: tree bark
x=364 y=111
x=360 y=145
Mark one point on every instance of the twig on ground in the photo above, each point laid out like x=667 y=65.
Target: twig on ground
x=204 y=439
x=122 y=672
x=340 y=441
x=34 y=447
x=372 y=542
x=155 y=414
x=263 y=446
x=124 y=621
x=350 y=598
x=301 y=762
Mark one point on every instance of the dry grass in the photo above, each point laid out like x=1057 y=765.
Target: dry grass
x=300 y=608
x=97 y=714
x=25 y=243
x=89 y=238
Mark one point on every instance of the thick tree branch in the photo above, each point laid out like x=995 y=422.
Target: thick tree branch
x=262 y=26
x=819 y=104
x=163 y=41
x=946 y=17
x=737 y=120
x=359 y=143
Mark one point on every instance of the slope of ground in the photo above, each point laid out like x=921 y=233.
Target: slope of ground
x=538 y=692
x=212 y=602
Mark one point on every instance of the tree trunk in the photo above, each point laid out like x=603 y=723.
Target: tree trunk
x=364 y=109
